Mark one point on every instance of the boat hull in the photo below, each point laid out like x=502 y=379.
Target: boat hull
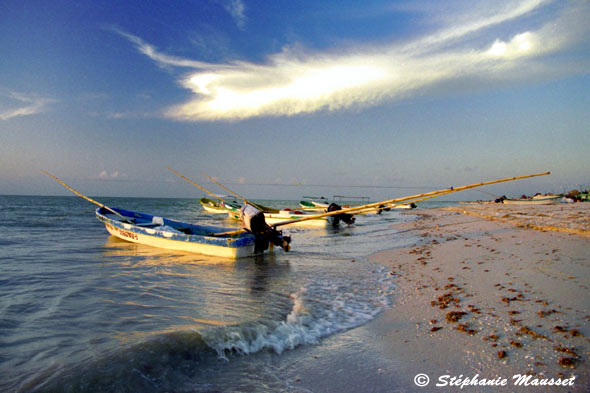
x=214 y=207
x=214 y=210
x=314 y=206
x=168 y=235
x=316 y=222
x=272 y=218
x=530 y=201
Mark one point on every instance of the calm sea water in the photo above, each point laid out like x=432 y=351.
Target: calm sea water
x=81 y=311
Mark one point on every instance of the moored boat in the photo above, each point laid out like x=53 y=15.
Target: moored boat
x=287 y=214
x=536 y=200
x=166 y=233
x=313 y=205
x=211 y=206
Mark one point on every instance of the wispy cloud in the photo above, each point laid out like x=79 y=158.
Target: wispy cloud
x=472 y=45
x=237 y=10
x=161 y=59
x=21 y=104
x=105 y=175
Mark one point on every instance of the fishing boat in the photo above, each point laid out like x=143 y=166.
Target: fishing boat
x=166 y=233
x=288 y=214
x=314 y=205
x=221 y=207
x=536 y=200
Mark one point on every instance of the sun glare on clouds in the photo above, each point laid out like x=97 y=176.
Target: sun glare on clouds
x=520 y=45
x=308 y=88
x=291 y=83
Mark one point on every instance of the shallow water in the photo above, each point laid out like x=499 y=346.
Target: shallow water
x=81 y=311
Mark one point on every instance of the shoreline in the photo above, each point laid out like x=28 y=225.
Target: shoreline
x=491 y=291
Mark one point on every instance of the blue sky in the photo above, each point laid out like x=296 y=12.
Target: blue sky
x=282 y=99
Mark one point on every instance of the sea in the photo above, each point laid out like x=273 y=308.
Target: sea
x=81 y=311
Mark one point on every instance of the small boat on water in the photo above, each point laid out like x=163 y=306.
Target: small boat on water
x=166 y=233
x=221 y=207
x=314 y=205
x=288 y=214
x=536 y=200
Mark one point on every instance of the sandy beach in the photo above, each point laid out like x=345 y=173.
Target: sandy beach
x=490 y=293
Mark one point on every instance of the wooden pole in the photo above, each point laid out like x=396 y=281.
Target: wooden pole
x=196 y=185
x=382 y=207
x=225 y=188
x=87 y=198
x=260 y=207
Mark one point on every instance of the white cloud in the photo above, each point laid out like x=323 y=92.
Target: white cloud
x=295 y=82
x=236 y=9
x=105 y=175
x=23 y=104
x=160 y=58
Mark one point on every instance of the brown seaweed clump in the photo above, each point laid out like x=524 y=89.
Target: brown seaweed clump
x=567 y=362
x=454 y=316
x=516 y=344
x=530 y=332
x=464 y=327
x=569 y=351
x=444 y=300
x=544 y=313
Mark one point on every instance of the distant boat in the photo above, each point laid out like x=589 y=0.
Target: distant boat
x=163 y=232
x=211 y=206
x=536 y=200
x=314 y=205
x=288 y=214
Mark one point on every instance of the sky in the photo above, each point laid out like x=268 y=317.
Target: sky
x=284 y=99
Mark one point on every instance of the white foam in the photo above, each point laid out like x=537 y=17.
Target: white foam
x=318 y=310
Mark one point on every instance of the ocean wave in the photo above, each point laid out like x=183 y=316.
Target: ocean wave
x=166 y=361
x=320 y=309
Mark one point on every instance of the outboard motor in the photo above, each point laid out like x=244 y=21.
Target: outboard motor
x=254 y=222
x=347 y=218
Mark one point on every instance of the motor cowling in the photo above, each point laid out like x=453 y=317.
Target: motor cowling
x=253 y=221
x=344 y=217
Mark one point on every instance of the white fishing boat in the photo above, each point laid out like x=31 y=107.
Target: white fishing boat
x=536 y=200
x=314 y=205
x=166 y=233
x=254 y=238
x=221 y=207
x=287 y=214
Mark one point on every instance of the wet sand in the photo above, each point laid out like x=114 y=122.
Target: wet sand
x=492 y=291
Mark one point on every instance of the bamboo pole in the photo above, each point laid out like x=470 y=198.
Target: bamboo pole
x=260 y=207
x=198 y=186
x=382 y=207
x=87 y=198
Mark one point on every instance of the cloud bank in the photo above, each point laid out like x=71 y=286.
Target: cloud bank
x=473 y=45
